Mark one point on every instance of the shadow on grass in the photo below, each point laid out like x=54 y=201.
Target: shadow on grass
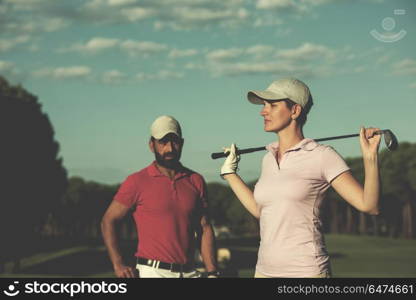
x=83 y=263
x=239 y=260
x=96 y=260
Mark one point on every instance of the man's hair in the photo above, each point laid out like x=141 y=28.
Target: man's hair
x=304 y=111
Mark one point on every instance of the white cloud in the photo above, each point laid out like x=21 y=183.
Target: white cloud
x=243 y=68
x=188 y=14
x=272 y=68
x=279 y=5
x=120 y=2
x=224 y=54
x=282 y=32
x=161 y=75
x=95 y=4
x=54 y=24
x=26 y=4
x=132 y=47
x=6 y=66
x=36 y=15
x=143 y=48
x=94 y=45
x=113 y=77
x=194 y=66
x=289 y=7
x=360 y=69
x=307 y=60
x=97 y=44
x=267 y=20
x=178 y=53
x=405 y=67
x=33 y=48
x=307 y=51
x=175 y=14
x=3 y=9
x=138 y=13
x=9 y=70
x=9 y=44
x=63 y=72
x=383 y=59
x=266 y=59
x=317 y=2
x=36 y=26
x=260 y=51
x=198 y=3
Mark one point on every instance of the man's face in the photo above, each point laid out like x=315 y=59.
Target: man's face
x=167 y=150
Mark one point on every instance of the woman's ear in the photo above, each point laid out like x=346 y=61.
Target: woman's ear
x=296 y=111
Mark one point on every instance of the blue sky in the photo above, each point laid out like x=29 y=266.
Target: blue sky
x=105 y=69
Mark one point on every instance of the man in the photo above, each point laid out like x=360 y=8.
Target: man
x=170 y=212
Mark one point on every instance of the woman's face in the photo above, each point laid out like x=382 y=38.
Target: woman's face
x=276 y=114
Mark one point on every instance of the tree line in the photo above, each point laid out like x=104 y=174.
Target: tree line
x=82 y=206
x=43 y=208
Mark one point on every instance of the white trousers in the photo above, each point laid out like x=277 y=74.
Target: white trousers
x=150 y=272
x=322 y=275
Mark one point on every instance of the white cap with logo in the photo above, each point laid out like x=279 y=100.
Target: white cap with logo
x=286 y=88
x=164 y=125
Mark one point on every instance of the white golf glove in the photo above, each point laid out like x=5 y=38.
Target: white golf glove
x=230 y=165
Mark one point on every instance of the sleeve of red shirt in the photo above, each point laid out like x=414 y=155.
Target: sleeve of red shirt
x=202 y=188
x=332 y=164
x=127 y=193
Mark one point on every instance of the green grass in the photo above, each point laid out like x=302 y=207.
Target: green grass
x=45 y=257
x=351 y=256
x=365 y=256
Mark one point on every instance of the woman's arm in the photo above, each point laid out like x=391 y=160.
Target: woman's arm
x=243 y=193
x=364 y=199
x=240 y=189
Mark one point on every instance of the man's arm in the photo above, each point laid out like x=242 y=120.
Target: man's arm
x=112 y=216
x=208 y=248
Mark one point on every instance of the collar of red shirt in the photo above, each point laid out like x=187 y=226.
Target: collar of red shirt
x=154 y=171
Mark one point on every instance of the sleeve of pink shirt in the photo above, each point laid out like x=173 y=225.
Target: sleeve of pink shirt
x=332 y=164
x=127 y=192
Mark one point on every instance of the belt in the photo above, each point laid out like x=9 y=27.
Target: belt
x=163 y=265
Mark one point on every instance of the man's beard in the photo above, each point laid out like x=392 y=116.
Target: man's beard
x=171 y=163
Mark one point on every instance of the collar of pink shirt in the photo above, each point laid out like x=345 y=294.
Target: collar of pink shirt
x=305 y=144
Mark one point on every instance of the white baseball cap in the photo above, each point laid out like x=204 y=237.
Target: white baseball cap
x=286 y=88
x=164 y=125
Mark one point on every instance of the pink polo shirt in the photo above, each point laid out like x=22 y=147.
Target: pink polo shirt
x=289 y=196
x=166 y=211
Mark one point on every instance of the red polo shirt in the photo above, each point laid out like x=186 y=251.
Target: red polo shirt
x=166 y=212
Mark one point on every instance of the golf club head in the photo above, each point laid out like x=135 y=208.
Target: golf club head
x=390 y=140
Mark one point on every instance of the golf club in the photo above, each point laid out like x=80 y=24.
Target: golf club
x=389 y=139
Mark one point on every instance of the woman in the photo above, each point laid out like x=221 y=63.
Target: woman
x=296 y=172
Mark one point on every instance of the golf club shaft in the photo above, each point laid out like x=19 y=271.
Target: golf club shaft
x=239 y=151
x=249 y=150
